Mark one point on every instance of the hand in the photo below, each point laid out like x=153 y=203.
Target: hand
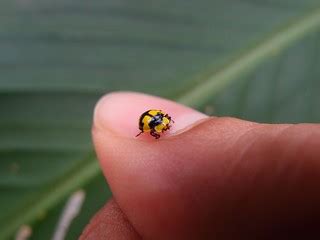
x=207 y=178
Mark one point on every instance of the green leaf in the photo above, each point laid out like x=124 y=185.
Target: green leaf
x=96 y=194
x=285 y=89
x=253 y=59
x=250 y=59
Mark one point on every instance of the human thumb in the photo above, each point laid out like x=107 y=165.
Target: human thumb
x=207 y=177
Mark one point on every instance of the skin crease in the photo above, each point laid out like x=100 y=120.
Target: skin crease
x=223 y=178
x=110 y=223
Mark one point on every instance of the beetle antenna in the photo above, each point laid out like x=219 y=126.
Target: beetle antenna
x=139 y=133
x=169 y=118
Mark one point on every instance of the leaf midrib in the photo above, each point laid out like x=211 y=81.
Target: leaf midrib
x=212 y=83
x=209 y=85
x=41 y=202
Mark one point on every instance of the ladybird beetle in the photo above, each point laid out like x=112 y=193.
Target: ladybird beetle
x=155 y=122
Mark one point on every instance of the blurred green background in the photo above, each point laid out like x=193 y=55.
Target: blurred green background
x=253 y=59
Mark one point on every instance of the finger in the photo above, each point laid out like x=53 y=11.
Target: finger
x=119 y=113
x=218 y=178
x=109 y=223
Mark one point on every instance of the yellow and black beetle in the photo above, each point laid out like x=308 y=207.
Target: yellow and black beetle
x=155 y=122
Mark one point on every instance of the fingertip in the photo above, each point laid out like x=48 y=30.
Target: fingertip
x=119 y=113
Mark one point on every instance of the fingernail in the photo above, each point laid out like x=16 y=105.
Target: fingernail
x=119 y=113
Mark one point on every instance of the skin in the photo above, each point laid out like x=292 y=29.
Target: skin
x=205 y=178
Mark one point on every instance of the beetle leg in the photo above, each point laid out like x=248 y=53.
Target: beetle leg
x=154 y=134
